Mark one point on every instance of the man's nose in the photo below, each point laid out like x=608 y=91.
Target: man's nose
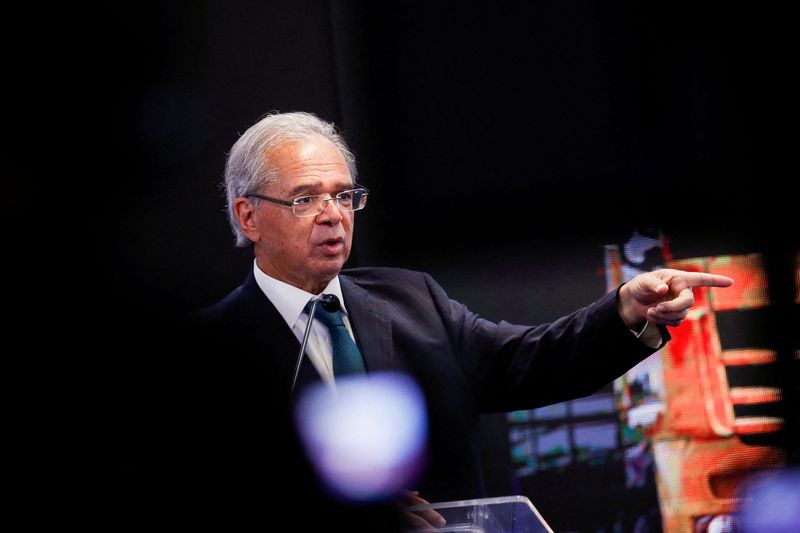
x=331 y=212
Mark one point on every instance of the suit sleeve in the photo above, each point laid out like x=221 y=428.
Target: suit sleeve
x=512 y=367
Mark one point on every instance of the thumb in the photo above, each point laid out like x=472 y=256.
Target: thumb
x=653 y=284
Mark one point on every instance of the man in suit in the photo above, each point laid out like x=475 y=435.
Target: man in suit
x=292 y=197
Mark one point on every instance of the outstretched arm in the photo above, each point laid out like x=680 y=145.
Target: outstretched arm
x=663 y=296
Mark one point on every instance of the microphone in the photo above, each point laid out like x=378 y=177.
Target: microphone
x=331 y=304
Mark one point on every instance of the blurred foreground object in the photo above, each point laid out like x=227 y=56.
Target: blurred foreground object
x=772 y=503
x=366 y=439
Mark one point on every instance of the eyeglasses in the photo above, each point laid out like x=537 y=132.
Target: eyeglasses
x=311 y=206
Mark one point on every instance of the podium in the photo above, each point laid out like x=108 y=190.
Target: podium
x=507 y=514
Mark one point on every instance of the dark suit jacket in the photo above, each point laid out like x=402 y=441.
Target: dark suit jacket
x=403 y=321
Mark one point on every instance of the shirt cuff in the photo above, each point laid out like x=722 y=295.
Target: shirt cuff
x=650 y=336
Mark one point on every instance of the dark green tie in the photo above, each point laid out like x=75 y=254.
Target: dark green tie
x=346 y=355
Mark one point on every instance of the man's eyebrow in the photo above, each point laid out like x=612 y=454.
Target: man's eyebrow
x=306 y=187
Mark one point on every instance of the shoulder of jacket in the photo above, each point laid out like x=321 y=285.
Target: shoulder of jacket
x=380 y=273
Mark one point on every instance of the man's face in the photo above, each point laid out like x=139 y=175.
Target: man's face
x=306 y=252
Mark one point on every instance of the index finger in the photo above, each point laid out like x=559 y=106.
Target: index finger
x=702 y=279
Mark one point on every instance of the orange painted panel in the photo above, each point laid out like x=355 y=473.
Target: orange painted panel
x=750 y=289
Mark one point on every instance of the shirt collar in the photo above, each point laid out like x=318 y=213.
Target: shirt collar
x=290 y=300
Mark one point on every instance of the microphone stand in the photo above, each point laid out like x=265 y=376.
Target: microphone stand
x=314 y=304
x=330 y=303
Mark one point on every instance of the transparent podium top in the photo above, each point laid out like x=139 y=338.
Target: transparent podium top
x=508 y=514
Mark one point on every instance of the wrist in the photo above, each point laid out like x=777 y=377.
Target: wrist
x=626 y=311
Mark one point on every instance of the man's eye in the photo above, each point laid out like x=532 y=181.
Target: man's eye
x=304 y=200
x=346 y=196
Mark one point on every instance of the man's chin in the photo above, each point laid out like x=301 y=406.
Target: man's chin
x=329 y=268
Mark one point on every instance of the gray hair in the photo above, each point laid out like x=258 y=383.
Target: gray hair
x=249 y=168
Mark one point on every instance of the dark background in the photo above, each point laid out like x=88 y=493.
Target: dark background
x=503 y=142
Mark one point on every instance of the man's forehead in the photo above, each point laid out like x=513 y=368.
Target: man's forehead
x=305 y=151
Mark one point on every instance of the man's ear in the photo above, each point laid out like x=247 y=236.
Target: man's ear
x=245 y=214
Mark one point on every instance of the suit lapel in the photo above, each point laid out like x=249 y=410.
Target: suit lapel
x=371 y=324
x=274 y=339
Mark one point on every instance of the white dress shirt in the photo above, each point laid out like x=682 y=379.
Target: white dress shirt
x=290 y=303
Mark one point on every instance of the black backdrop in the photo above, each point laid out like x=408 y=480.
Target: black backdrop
x=483 y=131
x=503 y=143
